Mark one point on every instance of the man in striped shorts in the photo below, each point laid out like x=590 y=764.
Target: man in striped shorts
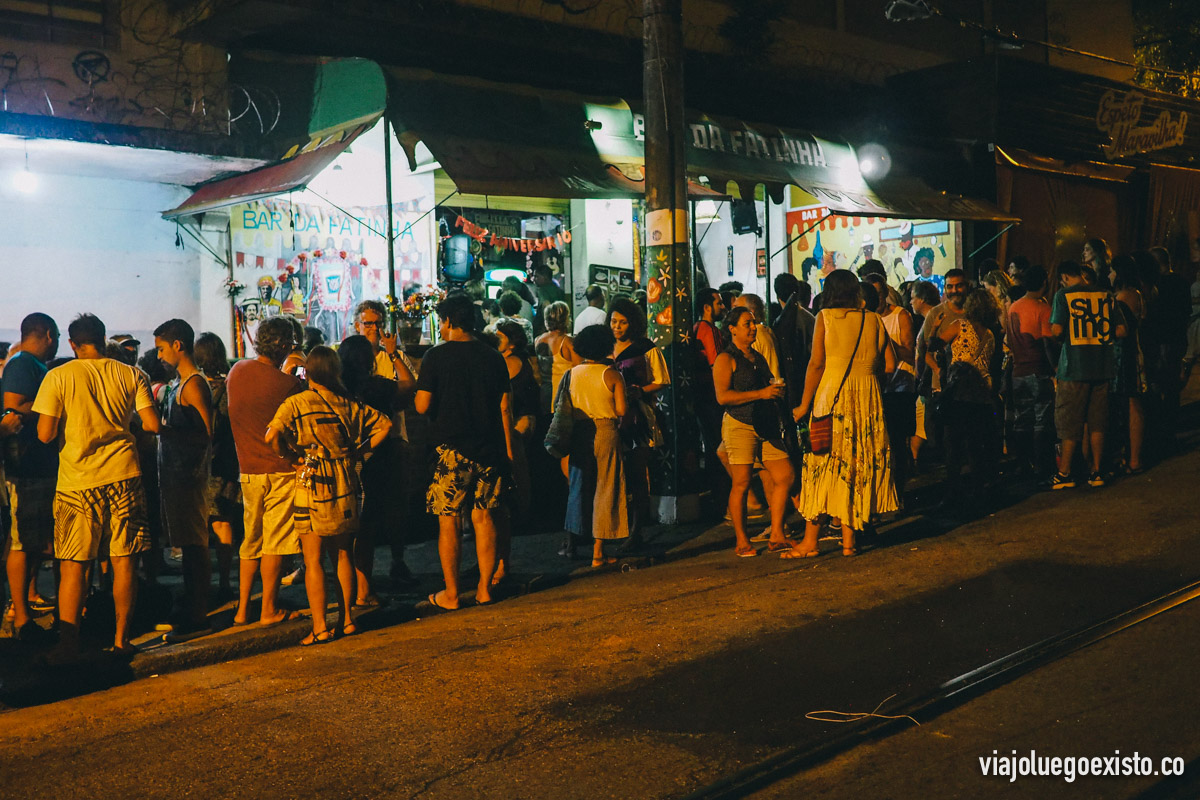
x=99 y=505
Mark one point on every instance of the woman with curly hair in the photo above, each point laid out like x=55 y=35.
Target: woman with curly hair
x=967 y=393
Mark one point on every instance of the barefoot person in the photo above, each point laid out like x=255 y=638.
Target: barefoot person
x=87 y=405
x=326 y=432
x=464 y=389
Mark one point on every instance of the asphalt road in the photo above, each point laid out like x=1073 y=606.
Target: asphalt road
x=659 y=681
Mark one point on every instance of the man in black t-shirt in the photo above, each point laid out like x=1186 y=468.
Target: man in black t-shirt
x=463 y=386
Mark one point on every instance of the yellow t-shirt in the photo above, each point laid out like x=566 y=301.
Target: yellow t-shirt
x=95 y=400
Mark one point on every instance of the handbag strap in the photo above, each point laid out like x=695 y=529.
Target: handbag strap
x=345 y=428
x=862 y=324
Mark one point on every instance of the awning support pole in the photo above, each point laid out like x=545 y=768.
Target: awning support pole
x=1007 y=228
x=393 y=305
x=799 y=236
x=767 y=249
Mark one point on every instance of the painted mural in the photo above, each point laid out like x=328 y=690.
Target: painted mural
x=909 y=249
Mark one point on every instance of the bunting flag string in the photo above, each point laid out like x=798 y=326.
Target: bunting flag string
x=485 y=236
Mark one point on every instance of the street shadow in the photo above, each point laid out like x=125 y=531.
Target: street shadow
x=751 y=698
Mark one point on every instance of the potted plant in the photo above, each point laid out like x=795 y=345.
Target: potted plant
x=411 y=314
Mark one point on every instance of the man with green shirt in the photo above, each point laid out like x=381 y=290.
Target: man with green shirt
x=1084 y=318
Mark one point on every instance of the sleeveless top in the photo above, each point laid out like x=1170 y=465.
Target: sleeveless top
x=589 y=394
x=904 y=379
x=747 y=376
x=525 y=392
x=184 y=448
x=970 y=361
x=552 y=365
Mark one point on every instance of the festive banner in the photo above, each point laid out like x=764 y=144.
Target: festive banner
x=556 y=242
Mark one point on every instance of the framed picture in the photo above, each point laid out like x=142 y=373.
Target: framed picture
x=760 y=262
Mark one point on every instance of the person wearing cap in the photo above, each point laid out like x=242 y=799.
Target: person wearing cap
x=129 y=347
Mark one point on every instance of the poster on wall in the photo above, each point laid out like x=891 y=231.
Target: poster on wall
x=908 y=249
x=615 y=280
x=316 y=263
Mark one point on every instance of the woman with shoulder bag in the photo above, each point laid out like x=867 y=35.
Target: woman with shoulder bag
x=326 y=432
x=848 y=476
x=745 y=389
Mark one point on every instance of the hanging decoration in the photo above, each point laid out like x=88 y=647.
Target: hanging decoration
x=483 y=235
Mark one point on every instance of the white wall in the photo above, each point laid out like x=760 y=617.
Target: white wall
x=90 y=244
x=604 y=237
x=715 y=238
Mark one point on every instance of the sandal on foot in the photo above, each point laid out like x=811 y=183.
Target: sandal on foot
x=779 y=547
x=348 y=630
x=433 y=601
x=849 y=552
x=324 y=637
x=746 y=552
x=601 y=562
x=793 y=552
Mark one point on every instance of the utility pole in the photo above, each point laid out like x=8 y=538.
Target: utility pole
x=674 y=469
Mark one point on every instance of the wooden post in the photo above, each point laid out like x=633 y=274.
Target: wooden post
x=674 y=470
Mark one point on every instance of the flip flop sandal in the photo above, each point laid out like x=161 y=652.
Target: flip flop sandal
x=778 y=547
x=749 y=552
x=324 y=637
x=794 y=553
x=433 y=602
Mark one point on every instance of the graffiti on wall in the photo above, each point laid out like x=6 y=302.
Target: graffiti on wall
x=156 y=80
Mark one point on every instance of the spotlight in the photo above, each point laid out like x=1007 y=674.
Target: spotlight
x=874 y=161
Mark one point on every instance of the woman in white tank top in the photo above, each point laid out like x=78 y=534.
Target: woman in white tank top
x=596 y=504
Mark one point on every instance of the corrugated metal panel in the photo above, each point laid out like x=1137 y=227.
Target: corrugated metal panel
x=443 y=186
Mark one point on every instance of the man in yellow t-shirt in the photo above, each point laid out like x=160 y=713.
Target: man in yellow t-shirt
x=86 y=405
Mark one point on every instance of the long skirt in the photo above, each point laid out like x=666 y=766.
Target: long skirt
x=596 y=502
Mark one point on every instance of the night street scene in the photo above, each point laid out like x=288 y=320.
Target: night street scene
x=638 y=399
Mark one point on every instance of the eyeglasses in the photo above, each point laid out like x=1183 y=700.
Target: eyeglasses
x=371 y=323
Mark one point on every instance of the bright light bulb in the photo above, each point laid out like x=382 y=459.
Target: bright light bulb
x=874 y=161
x=25 y=182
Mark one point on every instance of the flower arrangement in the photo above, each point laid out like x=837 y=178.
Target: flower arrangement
x=233 y=288
x=419 y=305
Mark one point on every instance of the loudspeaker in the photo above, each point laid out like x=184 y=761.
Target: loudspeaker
x=745 y=216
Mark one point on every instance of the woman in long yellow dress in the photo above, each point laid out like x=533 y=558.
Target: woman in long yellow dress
x=850 y=355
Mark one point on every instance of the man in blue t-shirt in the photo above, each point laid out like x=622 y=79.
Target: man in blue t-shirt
x=1084 y=318
x=31 y=467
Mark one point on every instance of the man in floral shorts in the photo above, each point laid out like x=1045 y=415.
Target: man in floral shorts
x=464 y=388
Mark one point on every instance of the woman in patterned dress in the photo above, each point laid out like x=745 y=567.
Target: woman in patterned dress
x=327 y=431
x=853 y=481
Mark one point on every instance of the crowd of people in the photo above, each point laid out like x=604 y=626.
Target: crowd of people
x=824 y=406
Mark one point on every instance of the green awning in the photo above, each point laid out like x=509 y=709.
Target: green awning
x=505 y=139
